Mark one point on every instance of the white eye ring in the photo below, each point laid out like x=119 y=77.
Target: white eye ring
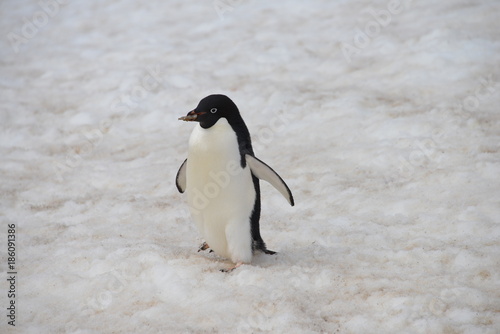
x=213 y=110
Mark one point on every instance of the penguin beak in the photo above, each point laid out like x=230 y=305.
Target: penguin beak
x=191 y=116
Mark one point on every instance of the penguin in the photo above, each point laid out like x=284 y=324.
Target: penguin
x=221 y=179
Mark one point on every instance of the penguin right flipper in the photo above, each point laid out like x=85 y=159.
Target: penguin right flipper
x=264 y=172
x=180 y=179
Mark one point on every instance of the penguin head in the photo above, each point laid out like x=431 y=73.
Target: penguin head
x=211 y=109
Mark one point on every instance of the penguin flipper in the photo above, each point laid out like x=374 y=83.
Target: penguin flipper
x=264 y=172
x=180 y=179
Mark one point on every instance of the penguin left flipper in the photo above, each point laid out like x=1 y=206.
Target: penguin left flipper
x=180 y=179
x=264 y=172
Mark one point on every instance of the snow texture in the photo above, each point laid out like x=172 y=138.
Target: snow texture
x=381 y=116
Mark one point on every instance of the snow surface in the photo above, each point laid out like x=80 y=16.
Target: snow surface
x=391 y=149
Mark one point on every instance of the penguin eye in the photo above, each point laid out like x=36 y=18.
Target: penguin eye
x=213 y=110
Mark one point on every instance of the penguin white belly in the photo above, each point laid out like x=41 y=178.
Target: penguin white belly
x=220 y=194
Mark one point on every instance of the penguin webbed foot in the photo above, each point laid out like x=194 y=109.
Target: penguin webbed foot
x=261 y=246
x=228 y=270
x=204 y=246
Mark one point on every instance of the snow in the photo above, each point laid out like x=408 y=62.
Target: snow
x=391 y=151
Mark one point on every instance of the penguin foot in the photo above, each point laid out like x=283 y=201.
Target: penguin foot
x=228 y=270
x=204 y=246
x=261 y=245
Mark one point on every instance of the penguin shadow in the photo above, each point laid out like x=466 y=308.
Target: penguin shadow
x=260 y=260
x=314 y=255
x=214 y=262
x=264 y=260
x=306 y=256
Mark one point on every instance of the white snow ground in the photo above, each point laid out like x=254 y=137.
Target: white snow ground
x=391 y=150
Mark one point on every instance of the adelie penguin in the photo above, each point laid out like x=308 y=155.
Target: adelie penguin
x=221 y=179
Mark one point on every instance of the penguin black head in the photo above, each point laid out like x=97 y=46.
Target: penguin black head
x=211 y=109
